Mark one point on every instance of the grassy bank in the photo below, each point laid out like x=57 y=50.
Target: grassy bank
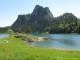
x=15 y=49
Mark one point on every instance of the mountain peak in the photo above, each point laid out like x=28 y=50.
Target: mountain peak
x=41 y=11
x=38 y=6
x=40 y=17
x=37 y=9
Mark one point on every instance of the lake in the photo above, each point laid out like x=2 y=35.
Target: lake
x=3 y=35
x=58 y=41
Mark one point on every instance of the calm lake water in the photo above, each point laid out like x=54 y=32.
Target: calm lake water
x=59 y=41
x=3 y=35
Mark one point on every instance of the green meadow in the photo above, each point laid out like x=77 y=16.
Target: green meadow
x=16 y=49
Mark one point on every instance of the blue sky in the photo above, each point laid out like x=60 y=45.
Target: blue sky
x=10 y=9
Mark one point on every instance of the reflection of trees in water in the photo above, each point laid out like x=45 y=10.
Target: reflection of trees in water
x=66 y=41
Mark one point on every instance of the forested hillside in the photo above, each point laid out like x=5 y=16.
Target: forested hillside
x=41 y=20
x=20 y=25
x=66 y=23
x=4 y=29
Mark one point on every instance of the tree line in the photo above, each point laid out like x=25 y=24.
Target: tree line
x=66 y=23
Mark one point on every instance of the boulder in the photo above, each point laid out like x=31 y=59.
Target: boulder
x=5 y=41
x=46 y=38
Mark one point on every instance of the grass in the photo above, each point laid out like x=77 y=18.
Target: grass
x=17 y=50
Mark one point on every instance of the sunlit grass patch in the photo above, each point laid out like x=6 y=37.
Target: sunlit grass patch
x=16 y=50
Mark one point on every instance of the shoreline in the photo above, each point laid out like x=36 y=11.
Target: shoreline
x=15 y=47
x=54 y=48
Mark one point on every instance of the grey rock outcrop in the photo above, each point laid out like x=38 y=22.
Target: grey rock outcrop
x=37 y=20
x=27 y=39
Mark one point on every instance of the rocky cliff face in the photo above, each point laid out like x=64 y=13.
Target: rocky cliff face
x=37 y=20
x=40 y=18
x=40 y=12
